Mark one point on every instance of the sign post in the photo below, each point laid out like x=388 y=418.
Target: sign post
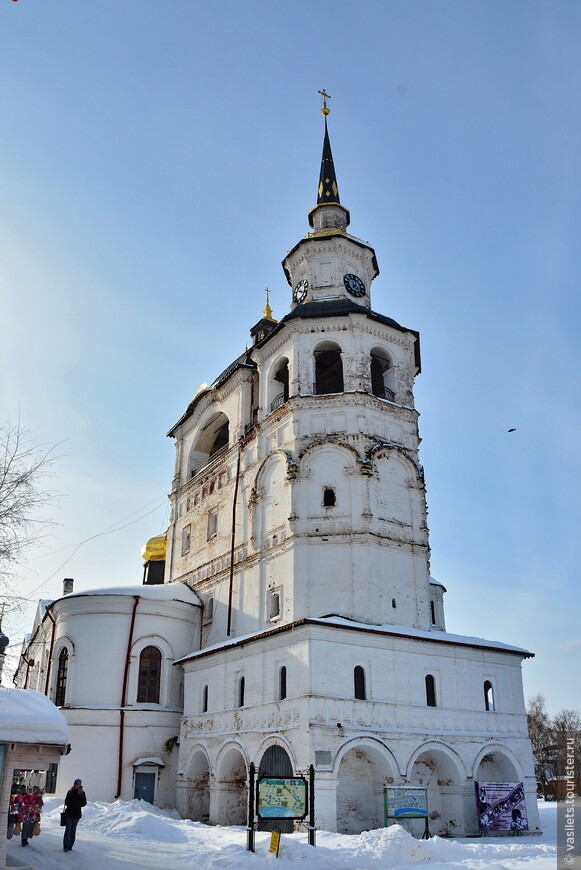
x=406 y=803
x=282 y=798
x=251 y=786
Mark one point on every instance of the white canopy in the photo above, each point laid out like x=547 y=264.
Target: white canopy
x=29 y=717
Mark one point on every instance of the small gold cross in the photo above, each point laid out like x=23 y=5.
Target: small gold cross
x=325 y=110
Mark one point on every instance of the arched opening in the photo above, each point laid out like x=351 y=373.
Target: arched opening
x=280 y=385
x=430 y=691
x=488 y=696
x=359 y=683
x=276 y=763
x=329 y=497
x=496 y=767
x=328 y=369
x=363 y=772
x=381 y=374
x=231 y=789
x=436 y=771
x=213 y=437
x=61 y=677
x=197 y=806
x=149 y=677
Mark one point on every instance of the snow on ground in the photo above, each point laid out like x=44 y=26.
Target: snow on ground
x=135 y=834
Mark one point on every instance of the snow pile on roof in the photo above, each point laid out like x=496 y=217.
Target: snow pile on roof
x=420 y=633
x=29 y=717
x=160 y=592
x=387 y=629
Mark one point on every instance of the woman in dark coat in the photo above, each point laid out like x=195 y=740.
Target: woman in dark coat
x=74 y=801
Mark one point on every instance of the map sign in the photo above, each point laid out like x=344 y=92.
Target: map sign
x=281 y=798
x=501 y=806
x=405 y=803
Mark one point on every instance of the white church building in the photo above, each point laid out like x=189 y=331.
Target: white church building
x=297 y=623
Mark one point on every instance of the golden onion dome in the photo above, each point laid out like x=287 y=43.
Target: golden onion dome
x=154 y=550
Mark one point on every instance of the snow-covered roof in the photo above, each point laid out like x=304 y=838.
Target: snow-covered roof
x=393 y=630
x=29 y=717
x=161 y=592
x=435 y=582
x=149 y=760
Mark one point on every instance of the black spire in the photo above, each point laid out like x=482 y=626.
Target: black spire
x=328 y=190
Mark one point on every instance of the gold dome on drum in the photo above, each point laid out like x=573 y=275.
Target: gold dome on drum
x=154 y=550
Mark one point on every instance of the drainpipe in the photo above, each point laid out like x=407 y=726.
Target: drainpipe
x=53 y=630
x=124 y=697
x=232 y=539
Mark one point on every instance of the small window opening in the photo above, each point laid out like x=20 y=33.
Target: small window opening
x=433 y=612
x=488 y=696
x=212 y=523
x=393 y=604
x=274 y=603
x=359 y=683
x=186 y=538
x=61 y=677
x=328 y=372
x=205 y=699
x=430 y=691
x=209 y=609
x=241 y=689
x=282 y=683
x=329 y=497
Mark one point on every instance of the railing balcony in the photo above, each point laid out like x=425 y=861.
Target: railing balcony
x=386 y=393
x=277 y=402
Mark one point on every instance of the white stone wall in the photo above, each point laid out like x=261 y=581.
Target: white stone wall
x=393 y=730
x=95 y=629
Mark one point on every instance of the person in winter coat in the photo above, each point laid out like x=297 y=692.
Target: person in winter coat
x=29 y=808
x=75 y=799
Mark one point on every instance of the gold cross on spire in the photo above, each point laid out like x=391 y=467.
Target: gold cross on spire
x=267 y=310
x=325 y=110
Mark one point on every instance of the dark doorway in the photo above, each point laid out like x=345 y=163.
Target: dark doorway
x=145 y=787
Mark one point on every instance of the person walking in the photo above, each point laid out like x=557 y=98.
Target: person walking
x=75 y=799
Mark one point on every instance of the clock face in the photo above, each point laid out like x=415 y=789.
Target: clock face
x=300 y=291
x=354 y=285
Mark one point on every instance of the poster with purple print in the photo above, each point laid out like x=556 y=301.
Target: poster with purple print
x=501 y=806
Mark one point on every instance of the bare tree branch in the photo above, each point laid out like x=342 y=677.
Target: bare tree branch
x=25 y=466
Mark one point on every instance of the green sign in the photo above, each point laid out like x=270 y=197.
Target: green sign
x=281 y=798
x=406 y=803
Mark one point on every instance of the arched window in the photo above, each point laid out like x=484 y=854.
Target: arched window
x=205 y=699
x=241 y=689
x=328 y=369
x=359 y=683
x=329 y=497
x=381 y=375
x=488 y=696
x=149 y=676
x=212 y=437
x=280 y=386
x=430 y=691
x=61 y=677
x=282 y=683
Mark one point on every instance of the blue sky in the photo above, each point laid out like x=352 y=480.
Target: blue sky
x=158 y=160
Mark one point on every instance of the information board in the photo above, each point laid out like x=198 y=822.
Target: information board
x=501 y=806
x=282 y=798
x=405 y=803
